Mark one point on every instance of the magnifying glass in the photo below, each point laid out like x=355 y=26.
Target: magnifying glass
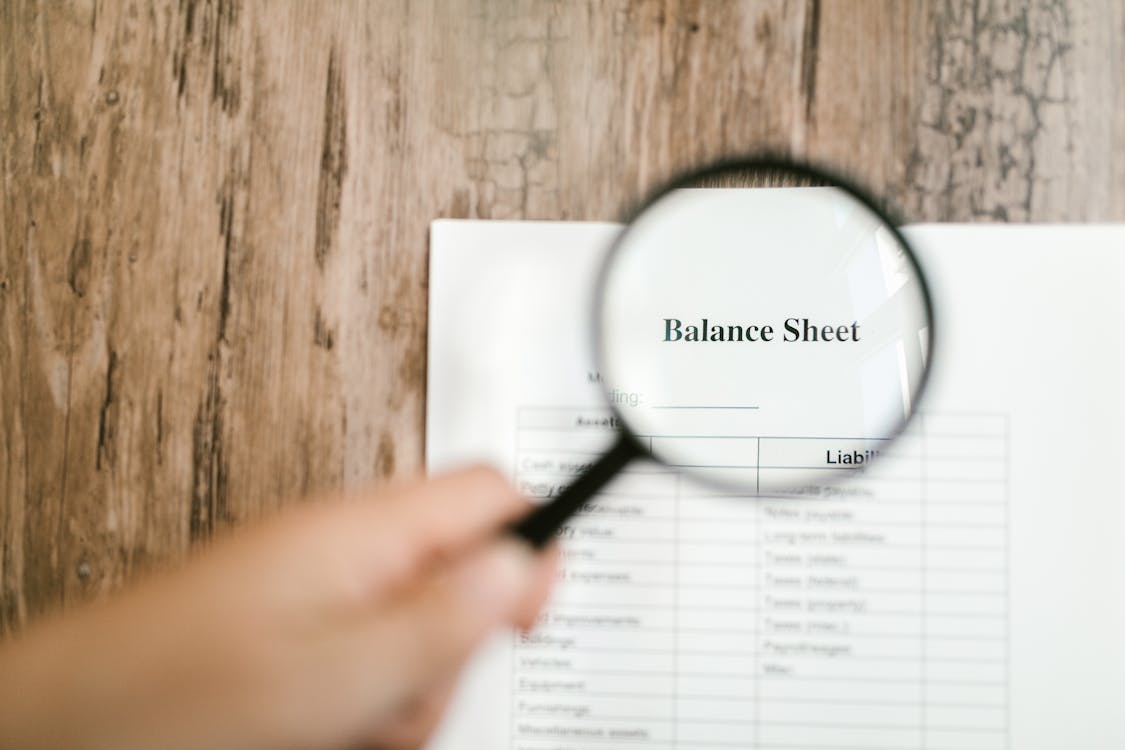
x=760 y=325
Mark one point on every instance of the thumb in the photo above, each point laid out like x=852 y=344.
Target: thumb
x=434 y=627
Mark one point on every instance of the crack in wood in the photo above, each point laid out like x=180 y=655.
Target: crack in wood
x=105 y=447
x=159 y=427
x=209 y=462
x=38 y=157
x=225 y=86
x=385 y=456
x=809 y=53
x=189 y=16
x=324 y=336
x=226 y=217
x=209 y=486
x=78 y=267
x=333 y=160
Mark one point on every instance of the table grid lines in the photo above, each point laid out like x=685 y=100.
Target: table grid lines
x=819 y=585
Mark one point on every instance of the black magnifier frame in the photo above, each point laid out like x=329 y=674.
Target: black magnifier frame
x=542 y=524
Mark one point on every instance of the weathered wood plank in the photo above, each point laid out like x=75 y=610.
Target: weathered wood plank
x=214 y=220
x=1009 y=112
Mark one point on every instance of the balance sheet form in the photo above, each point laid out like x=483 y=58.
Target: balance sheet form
x=967 y=591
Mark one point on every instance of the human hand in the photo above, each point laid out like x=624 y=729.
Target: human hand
x=339 y=624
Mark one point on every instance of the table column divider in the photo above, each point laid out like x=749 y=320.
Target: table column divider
x=676 y=614
x=758 y=590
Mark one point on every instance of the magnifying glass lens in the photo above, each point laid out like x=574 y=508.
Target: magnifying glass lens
x=759 y=327
x=763 y=338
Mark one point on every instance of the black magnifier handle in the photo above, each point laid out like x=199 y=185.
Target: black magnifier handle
x=540 y=525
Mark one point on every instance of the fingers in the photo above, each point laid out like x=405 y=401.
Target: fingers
x=539 y=590
x=433 y=628
x=394 y=540
x=417 y=721
x=419 y=717
x=454 y=509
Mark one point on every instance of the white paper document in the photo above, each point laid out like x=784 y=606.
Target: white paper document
x=965 y=592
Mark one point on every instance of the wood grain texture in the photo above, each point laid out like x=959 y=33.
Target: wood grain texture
x=214 y=217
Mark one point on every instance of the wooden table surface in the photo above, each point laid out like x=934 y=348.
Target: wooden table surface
x=214 y=223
